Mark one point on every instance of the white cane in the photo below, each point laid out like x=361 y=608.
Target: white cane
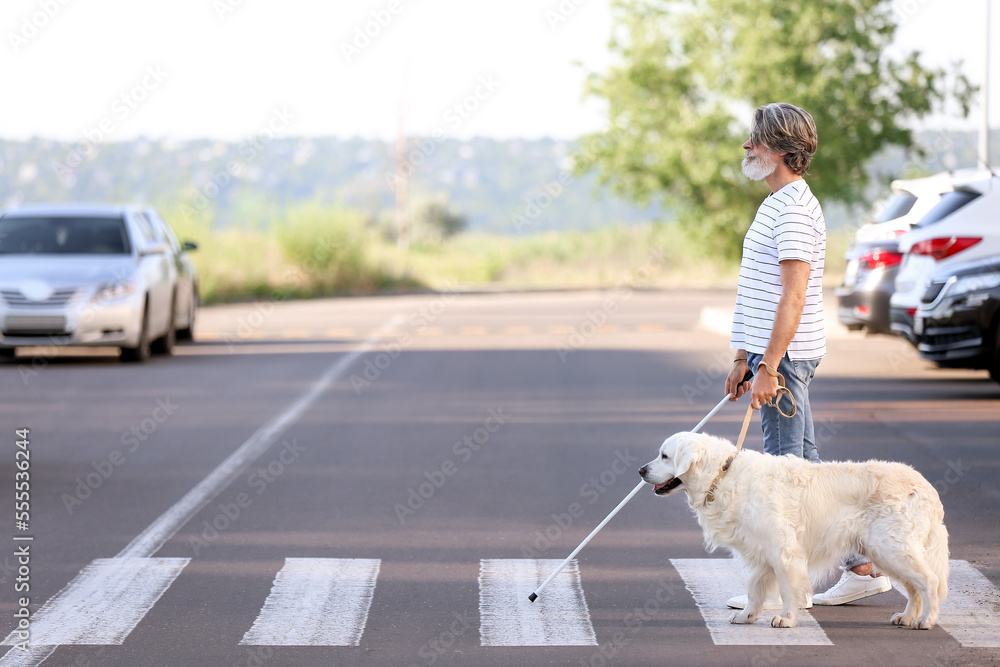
x=627 y=498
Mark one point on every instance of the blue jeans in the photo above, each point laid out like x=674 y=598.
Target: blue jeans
x=796 y=434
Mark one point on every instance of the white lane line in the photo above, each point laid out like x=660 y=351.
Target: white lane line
x=102 y=604
x=149 y=541
x=559 y=617
x=316 y=602
x=712 y=581
x=971 y=614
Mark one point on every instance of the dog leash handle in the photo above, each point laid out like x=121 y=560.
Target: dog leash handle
x=773 y=372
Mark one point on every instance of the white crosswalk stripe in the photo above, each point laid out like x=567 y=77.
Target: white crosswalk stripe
x=712 y=581
x=103 y=603
x=35 y=655
x=559 y=617
x=316 y=602
x=971 y=614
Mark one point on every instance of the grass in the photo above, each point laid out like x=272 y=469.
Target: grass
x=315 y=251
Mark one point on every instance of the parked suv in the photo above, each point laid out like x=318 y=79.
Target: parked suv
x=963 y=226
x=873 y=257
x=956 y=324
x=93 y=275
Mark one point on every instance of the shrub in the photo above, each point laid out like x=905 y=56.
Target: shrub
x=327 y=247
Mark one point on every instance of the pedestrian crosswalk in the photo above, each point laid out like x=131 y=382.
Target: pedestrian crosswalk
x=326 y=602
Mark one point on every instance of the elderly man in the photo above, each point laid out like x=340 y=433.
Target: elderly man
x=778 y=321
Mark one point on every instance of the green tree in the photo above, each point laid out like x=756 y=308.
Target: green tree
x=436 y=221
x=432 y=220
x=688 y=74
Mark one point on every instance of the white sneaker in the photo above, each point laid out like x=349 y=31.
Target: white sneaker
x=741 y=601
x=853 y=587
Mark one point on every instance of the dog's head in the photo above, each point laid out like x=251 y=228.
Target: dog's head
x=678 y=455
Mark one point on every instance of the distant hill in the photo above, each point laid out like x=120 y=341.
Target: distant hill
x=489 y=181
x=507 y=186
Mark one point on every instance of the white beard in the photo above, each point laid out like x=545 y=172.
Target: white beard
x=757 y=168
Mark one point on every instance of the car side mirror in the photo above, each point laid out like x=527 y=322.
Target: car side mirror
x=154 y=249
x=189 y=245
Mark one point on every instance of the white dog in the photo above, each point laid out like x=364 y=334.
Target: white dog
x=788 y=518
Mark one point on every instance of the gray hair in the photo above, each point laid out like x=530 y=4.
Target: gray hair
x=785 y=128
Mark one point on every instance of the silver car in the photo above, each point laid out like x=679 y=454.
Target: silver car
x=93 y=275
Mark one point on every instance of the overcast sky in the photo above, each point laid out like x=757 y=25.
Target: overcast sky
x=116 y=69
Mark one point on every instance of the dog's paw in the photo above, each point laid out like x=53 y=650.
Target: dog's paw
x=783 y=621
x=742 y=618
x=922 y=624
x=899 y=618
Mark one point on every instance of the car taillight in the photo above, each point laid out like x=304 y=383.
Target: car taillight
x=879 y=259
x=944 y=247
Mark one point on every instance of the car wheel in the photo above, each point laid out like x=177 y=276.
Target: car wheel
x=142 y=351
x=165 y=343
x=187 y=333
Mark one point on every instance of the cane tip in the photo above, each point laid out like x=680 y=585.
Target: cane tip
x=533 y=597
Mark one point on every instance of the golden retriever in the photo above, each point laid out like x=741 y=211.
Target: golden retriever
x=788 y=519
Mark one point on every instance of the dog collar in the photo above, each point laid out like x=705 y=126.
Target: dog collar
x=718 y=478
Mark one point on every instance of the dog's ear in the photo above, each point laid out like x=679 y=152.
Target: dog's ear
x=687 y=453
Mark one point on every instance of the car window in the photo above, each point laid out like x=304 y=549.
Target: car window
x=166 y=232
x=950 y=202
x=898 y=205
x=146 y=232
x=63 y=235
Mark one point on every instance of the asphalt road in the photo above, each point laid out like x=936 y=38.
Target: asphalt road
x=429 y=435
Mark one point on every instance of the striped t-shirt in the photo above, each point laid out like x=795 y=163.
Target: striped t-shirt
x=789 y=225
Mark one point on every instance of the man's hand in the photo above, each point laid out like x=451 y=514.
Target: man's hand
x=764 y=389
x=734 y=383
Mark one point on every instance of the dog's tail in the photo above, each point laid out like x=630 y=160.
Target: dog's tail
x=937 y=557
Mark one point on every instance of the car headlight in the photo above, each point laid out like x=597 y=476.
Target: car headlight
x=976 y=283
x=114 y=290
